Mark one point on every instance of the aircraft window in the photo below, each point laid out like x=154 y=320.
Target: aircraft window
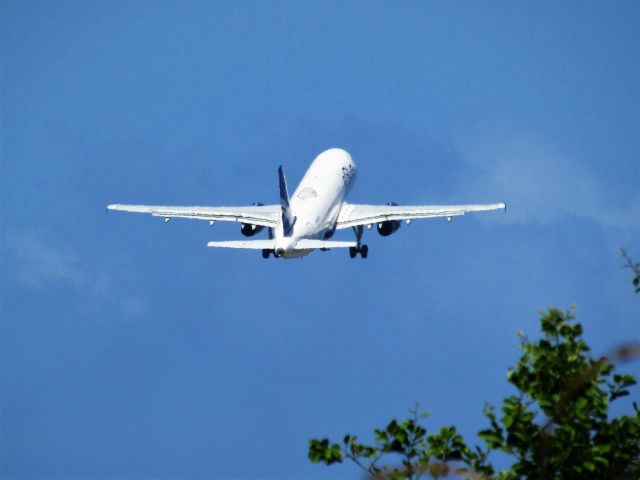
x=307 y=192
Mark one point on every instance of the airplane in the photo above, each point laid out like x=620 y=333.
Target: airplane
x=307 y=220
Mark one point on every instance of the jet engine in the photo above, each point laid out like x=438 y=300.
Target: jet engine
x=249 y=230
x=390 y=226
x=387 y=228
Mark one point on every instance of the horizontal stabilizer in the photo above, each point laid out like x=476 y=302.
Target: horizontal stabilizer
x=270 y=244
x=307 y=244
x=245 y=244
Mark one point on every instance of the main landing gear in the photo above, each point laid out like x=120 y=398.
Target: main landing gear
x=266 y=252
x=363 y=250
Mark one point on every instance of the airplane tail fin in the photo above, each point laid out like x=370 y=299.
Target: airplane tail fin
x=288 y=220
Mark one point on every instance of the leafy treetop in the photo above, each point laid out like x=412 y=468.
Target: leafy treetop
x=557 y=426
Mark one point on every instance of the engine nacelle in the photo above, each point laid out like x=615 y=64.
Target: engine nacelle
x=391 y=226
x=387 y=228
x=249 y=230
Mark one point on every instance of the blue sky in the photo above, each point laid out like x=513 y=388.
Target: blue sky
x=129 y=349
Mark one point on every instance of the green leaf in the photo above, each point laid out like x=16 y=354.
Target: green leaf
x=507 y=421
x=321 y=451
x=492 y=438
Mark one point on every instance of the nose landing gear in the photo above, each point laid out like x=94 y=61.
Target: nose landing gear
x=363 y=250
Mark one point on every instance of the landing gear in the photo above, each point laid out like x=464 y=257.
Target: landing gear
x=266 y=252
x=363 y=250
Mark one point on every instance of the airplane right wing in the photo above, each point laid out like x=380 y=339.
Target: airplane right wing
x=263 y=215
x=353 y=215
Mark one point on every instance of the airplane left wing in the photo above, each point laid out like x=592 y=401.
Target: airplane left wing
x=353 y=215
x=263 y=215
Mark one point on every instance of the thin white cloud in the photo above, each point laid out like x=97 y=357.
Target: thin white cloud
x=539 y=182
x=38 y=260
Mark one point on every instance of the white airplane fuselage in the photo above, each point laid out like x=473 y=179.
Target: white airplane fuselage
x=317 y=201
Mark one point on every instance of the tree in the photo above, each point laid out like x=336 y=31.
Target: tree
x=635 y=268
x=556 y=426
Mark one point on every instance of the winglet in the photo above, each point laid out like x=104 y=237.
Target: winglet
x=288 y=220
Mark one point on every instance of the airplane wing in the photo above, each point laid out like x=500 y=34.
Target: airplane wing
x=353 y=215
x=263 y=215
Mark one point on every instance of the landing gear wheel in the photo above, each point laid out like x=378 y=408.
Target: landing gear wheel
x=363 y=250
x=266 y=252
